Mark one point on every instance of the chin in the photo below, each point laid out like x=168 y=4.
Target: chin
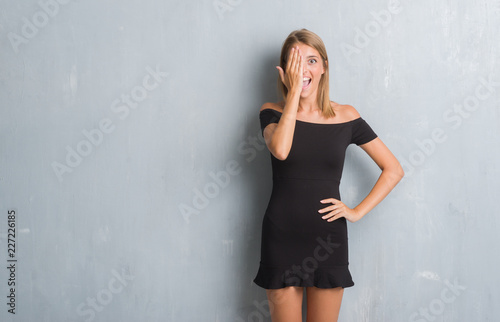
x=308 y=93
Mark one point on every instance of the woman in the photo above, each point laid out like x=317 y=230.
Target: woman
x=304 y=231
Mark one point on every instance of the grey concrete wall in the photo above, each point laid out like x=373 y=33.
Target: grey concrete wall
x=135 y=177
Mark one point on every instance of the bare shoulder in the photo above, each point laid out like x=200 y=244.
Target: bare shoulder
x=345 y=112
x=273 y=106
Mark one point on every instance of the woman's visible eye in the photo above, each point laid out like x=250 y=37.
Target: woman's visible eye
x=312 y=61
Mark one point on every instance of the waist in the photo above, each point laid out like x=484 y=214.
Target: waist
x=304 y=189
x=277 y=178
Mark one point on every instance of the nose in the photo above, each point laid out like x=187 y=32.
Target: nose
x=305 y=67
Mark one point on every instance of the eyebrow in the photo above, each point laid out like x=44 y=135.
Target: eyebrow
x=310 y=56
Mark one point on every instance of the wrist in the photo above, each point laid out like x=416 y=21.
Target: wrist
x=294 y=93
x=358 y=213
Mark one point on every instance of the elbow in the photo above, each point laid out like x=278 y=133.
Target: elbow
x=395 y=172
x=279 y=151
x=280 y=155
x=398 y=172
x=401 y=172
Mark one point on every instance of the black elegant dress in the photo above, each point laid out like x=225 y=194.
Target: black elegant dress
x=298 y=247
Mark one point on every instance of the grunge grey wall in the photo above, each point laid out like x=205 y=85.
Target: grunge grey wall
x=134 y=178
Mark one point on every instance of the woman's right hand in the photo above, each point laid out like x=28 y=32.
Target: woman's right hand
x=293 y=78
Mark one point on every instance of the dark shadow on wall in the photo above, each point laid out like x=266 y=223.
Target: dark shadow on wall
x=254 y=158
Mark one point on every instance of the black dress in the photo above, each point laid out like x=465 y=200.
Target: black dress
x=298 y=247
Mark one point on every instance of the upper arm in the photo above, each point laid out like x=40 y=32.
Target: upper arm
x=382 y=156
x=268 y=132
x=378 y=151
x=269 y=129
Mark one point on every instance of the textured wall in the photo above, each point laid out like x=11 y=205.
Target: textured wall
x=131 y=154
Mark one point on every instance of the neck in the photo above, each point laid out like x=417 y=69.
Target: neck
x=308 y=104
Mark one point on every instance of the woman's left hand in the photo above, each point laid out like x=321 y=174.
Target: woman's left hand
x=338 y=210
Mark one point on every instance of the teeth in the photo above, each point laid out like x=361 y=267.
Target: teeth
x=305 y=79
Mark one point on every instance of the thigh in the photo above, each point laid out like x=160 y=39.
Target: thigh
x=323 y=305
x=285 y=304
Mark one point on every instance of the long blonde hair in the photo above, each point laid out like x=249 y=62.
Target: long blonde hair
x=309 y=38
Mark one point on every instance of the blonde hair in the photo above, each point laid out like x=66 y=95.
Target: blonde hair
x=310 y=39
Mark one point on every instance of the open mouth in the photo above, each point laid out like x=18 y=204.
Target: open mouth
x=306 y=81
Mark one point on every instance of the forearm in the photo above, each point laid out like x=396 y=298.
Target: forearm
x=281 y=139
x=388 y=179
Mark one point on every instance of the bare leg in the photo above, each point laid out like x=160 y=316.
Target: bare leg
x=323 y=305
x=285 y=304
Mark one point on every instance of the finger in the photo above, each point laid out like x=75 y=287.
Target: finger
x=332 y=214
x=299 y=61
x=281 y=73
x=329 y=200
x=329 y=208
x=290 y=58
x=324 y=210
x=333 y=210
x=295 y=58
x=300 y=70
x=328 y=215
x=334 y=218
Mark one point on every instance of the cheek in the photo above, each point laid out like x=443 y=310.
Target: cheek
x=318 y=72
x=317 y=69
